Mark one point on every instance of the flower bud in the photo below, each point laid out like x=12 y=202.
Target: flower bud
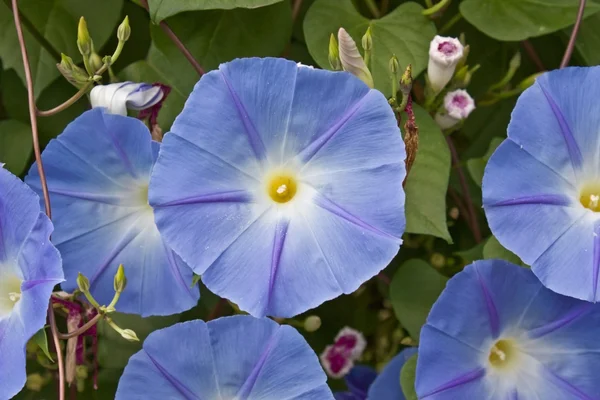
x=35 y=382
x=367 y=40
x=457 y=106
x=394 y=65
x=120 y=281
x=95 y=61
x=312 y=323
x=406 y=81
x=444 y=55
x=118 y=97
x=124 y=30
x=530 y=80
x=72 y=73
x=84 y=41
x=351 y=59
x=129 y=335
x=334 y=54
x=83 y=283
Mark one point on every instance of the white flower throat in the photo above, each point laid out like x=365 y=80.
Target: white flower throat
x=10 y=292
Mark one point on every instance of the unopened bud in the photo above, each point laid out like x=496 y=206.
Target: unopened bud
x=35 y=382
x=351 y=59
x=334 y=54
x=72 y=73
x=406 y=81
x=129 y=335
x=83 y=283
x=438 y=260
x=124 y=30
x=530 y=80
x=367 y=40
x=394 y=65
x=95 y=62
x=312 y=323
x=515 y=61
x=120 y=279
x=84 y=41
x=444 y=55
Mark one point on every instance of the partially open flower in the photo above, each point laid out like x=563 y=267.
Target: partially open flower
x=118 y=97
x=444 y=54
x=457 y=106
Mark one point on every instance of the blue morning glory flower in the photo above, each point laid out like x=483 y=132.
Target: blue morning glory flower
x=541 y=189
x=497 y=333
x=364 y=383
x=240 y=357
x=30 y=267
x=98 y=171
x=281 y=185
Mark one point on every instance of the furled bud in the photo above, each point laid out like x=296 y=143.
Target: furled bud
x=457 y=106
x=124 y=30
x=95 y=61
x=406 y=81
x=129 y=335
x=118 y=97
x=120 y=281
x=394 y=65
x=312 y=323
x=72 y=73
x=367 y=40
x=530 y=80
x=84 y=41
x=334 y=54
x=444 y=55
x=351 y=59
x=83 y=283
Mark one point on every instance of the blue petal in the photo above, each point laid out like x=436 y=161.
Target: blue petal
x=98 y=172
x=27 y=255
x=387 y=385
x=235 y=357
x=253 y=116
x=359 y=379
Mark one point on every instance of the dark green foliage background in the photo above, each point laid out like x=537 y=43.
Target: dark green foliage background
x=217 y=31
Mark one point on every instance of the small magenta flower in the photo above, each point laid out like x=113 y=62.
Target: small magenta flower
x=541 y=187
x=444 y=55
x=30 y=267
x=98 y=171
x=241 y=357
x=497 y=333
x=266 y=183
x=457 y=107
x=118 y=97
x=364 y=384
x=338 y=359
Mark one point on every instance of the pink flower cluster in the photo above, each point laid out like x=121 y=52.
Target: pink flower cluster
x=338 y=359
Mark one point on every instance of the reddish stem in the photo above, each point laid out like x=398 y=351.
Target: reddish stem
x=571 y=44
x=533 y=55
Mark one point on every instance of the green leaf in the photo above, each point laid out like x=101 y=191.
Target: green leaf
x=161 y=9
x=15 y=145
x=113 y=350
x=158 y=68
x=414 y=289
x=427 y=181
x=588 y=41
x=407 y=378
x=54 y=22
x=476 y=166
x=41 y=340
x=494 y=250
x=513 y=20
x=217 y=36
x=404 y=32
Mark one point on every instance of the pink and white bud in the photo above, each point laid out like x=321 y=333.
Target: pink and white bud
x=118 y=97
x=444 y=55
x=351 y=341
x=457 y=106
x=351 y=59
x=336 y=362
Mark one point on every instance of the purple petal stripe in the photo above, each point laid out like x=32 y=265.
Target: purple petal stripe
x=461 y=380
x=549 y=199
x=95 y=197
x=280 y=234
x=571 y=316
x=335 y=209
x=489 y=304
x=572 y=147
x=596 y=259
x=233 y=196
x=309 y=151
x=253 y=137
x=181 y=388
x=250 y=381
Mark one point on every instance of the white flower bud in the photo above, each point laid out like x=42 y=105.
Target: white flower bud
x=457 y=106
x=118 y=97
x=351 y=59
x=444 y=55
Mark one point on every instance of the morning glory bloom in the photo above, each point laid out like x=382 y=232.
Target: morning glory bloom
x=444 y=55
x=497 y=333
x=280 y=185
x=458 y=104
x=118 y=97
x=364 y=383
x=240 y=357
x=98 y=171
x=541 y=188
x=30 y=267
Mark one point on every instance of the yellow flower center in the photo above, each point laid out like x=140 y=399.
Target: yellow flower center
x=282 y=187
x=10 y=293
x=503 y=353
x=590 y=196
